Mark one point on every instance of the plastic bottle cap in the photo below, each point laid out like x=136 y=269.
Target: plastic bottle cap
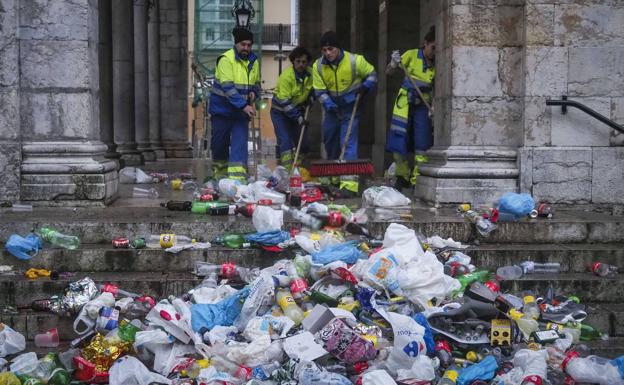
x=472 y=356
x=451 y=375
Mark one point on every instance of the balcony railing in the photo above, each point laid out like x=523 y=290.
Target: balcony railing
x=289 y=34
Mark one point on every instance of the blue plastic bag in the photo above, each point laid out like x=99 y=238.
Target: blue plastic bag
x=209 y=315
x=23 y=248
x=619 y=363
x=428 y=336
x=520 y=205
x=483 y=370
x=346 y=252
x=268 y=238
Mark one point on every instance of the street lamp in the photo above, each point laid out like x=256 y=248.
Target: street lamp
x=244 y=12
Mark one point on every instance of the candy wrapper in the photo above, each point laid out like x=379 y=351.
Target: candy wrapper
x=102 y=353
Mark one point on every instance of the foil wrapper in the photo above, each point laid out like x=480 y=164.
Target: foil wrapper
x=77 y=294
x=102 y=352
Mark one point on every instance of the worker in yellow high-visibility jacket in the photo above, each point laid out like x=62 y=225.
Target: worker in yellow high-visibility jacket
x=339 y=76
x=292 y=95
x=236 y=86
x=410 y=126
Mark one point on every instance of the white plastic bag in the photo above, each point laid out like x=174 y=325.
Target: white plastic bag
x=422 y=369
x=229 y=187
x=408 y=342
x=384 y=196
x=24 y=363
x=402 y=243
x=129 y=371
x=377 y=377
x=134 y=175
x=11 y=342
x=267 y=219
x=166 y=316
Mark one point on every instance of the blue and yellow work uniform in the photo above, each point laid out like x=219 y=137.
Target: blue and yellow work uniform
x=287 y=110
x=410 y=115
x=235 y=78
x=336 y=86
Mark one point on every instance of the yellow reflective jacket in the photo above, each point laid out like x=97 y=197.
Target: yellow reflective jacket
x=235 y=78
x=292 y=92
x=338 y=83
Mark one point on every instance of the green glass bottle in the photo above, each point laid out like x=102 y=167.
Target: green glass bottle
x=466 y=279
x=54 y=237
x=127 y=331
x=233 y=241
x=27 y=380
x=58 y=376
x=588 y=332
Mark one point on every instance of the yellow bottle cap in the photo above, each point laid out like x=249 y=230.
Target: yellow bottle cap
x=472 y=356
x=451 y=375
x=529 y=299
x=515 y=314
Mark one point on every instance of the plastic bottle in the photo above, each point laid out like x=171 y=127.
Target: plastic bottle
x=530 y=307
x=331 y=218
x=450 y=376
x=263 y=372
x=166 y=241
x=21 y=207
x=530 y=267
x=221 y=209
x=298 y=285
x=296 y=187
x=526 y=324
x=443 y=352
x=28 y=380
x=506 y=273
x=140 y=192
x=484 y=226
x=51 y=371
x=466 y=279
x=238 y=371
x=246 y=210
x=305 y=219
x=48 y=234
x=233 y=241
x=177 y=205
x=604 y=270
x=116 y=291
x=357 y=229
x=226 y=271
x=587 y=332
x=592 y=369
x=289 y=307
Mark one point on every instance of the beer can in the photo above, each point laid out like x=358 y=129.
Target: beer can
x=138 y=243
x=121 y=243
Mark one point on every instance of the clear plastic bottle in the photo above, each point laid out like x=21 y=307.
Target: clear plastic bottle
x=604 y=270
x=526 y=324
x=530 y=307
x=166 y=241
x=592 y=369
x=54 y=237
x=305 y=219
x=296 y=185
x=530 y=267
x=484 y=226
x=298 y=285
x=140 y=192
x=506 y=273
x=289 y=306
x=226 y=271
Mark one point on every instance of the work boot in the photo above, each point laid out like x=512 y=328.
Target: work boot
x=401 y=183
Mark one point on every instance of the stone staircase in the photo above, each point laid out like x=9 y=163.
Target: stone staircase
x=573 y=238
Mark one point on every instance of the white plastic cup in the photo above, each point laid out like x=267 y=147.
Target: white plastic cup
x=49 y=339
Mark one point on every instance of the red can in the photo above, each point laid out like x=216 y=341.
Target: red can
x=265 y=202
x=121 y=243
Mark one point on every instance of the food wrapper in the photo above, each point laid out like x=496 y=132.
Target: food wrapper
x=102 y=352
x=343 y=343
x=77 y=294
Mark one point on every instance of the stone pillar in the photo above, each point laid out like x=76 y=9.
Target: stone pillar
x=174 y=79
x=153 y=65
x=141 y=101
x=105 y=54
x=63 y=162
x=9 y=102
x=123 y=83
x=478 y=103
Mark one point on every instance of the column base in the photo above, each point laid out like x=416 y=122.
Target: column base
x=67 y=174
x=473 y=174
x=177 y=149
x=130 y=156
x=146 y=150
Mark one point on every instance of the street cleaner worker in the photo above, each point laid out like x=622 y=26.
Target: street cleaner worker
x=292 y=95
x=339 y=76
x=236 y=86
x=411 y=126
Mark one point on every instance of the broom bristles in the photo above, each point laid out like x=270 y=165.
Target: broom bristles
x=338 y=168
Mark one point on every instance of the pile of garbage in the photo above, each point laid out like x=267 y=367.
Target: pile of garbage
x=344 y=308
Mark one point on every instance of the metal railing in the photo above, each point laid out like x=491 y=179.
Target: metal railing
x=565 y=103
x=271 y=34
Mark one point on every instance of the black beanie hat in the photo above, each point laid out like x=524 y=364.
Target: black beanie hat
x=330 y=39
x=241 y=34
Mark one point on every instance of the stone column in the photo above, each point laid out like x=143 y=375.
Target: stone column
x=105 y=54
x=123 y=83
x=173 y=79
x=153 y=65
x=141 y=101
x=9 y=102
x=62 y=161
x=478 y=103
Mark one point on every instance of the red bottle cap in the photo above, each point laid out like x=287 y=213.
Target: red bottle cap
x=492 y=285
x=442 y=345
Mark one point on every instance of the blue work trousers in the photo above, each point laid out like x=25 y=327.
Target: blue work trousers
x=335 y=129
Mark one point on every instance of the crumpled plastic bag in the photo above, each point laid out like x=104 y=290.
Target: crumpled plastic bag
x=11 y=342
x=8 y=378
x=438 y=242
x=266 y=219
x=310 y=374
x=23 y=248
x=346 y=252
x=251 y=353
x=224 y=313
x=377 y=377
x=130 y=371
x=482 y=370
x=403 y=243
x=134 y=175
x=165 y=315
x=167 y=357
x=24 y=363
x=409 y=342
x=261 y=296
x=422 y=369
x=268 y=238
x=384 y=196
x=520 y=205
x=212 y=295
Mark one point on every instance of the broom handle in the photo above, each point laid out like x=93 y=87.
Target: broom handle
x=296 y=158
x=413 y=82
x=346 y=139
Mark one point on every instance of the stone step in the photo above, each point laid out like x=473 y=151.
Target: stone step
x=103 y=257
x=94 y=225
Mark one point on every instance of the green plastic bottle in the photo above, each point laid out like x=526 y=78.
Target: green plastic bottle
x=233 y=241
x=467 y=279
x=58 y=376
x=127 y=331
x=54 y=237
x=27 y=380
x=588 y=332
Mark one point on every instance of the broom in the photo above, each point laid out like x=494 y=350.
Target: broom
x=343 y=167
x=296 y=158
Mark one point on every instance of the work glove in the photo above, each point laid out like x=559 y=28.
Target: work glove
x=395 y=59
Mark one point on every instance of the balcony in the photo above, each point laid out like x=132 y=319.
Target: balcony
x=271 y=36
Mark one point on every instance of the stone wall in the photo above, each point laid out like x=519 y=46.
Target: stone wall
x=574 y=49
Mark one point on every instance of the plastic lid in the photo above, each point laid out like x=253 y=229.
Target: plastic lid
x=451 y=375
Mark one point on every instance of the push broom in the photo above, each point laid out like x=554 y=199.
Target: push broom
x=341 y=166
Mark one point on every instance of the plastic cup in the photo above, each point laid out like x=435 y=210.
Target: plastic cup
x=139 y=192
x=49 y=339
x=21 y=207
